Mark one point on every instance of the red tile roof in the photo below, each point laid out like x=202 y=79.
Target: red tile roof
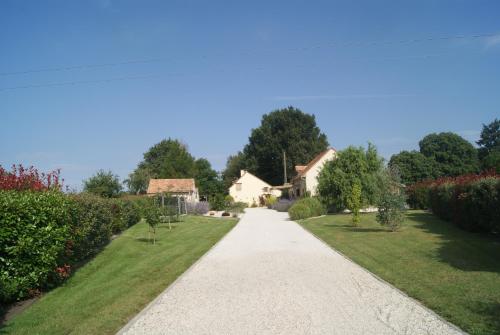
x=171 y=186
x=311 y=163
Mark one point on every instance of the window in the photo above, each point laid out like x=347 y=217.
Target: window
x=238 y=187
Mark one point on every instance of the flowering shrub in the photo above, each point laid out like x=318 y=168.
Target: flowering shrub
x=21 y=178
x=306 y=208
x=470 y=201
x=197 y=208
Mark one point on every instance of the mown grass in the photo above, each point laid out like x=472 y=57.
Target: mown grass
x=109 y=290
x=453 y=272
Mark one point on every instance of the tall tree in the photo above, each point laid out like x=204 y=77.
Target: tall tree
x=103 y=183
x=169 y=159
x=207 y=179
x=413 y=166
x=286 y=130
x=453 y=154
x=489 y=146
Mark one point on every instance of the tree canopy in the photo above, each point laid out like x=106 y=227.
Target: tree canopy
x=414 y=166
x=234 y=165
x=286 y=130
x=489 y=146
x=171 y=159
x=103 y=183
x=453 y=154
x=353 y=166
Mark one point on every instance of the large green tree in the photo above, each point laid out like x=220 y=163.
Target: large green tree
x=103 y=183
x=286 y=130
x=414 y=166
x=489 y=146
x=207 y=179
x=453 y=154
x=171 y=159
x=353 y=166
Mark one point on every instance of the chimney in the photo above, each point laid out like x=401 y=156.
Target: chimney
x=242 y=172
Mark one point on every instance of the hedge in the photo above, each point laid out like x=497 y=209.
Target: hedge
x=44 y=234
x=471 y=201
x=306 y=208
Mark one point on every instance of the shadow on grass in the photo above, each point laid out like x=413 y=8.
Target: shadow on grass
x=459 y=248
x=354 y=229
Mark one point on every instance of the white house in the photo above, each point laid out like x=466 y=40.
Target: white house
x=184 y=188
x=306 y=180
x=250 y=189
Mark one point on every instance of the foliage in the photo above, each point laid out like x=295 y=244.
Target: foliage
x=33 y=235
x=414 y=166
x=491 y=161
x=470 y=201
x=306 y=208
x=453 y=154
x=104 y=294
x=21 y=178
x=353 y=202
x=153 y=214
x=207 y=179
x=490 y=139
x=418 y=195
x=171 y=159
x=197 y=208
x=217 y=202
x=352 y=165
x=234 y=165
x=286 y=130
x=237 y=207
x=270 y=201
x=44 y=234
x=138 y=180
x=391 y=205
x=104 y=184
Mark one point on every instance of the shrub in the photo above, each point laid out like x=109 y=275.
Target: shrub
x=33 y=234
x=197 y=208
x=217 y=203
x=470 y=201
x=418 y=195
x=354 y=202
x=92 y=220
x=270 y=201
x=391 y=210
x=237 y=207
x=306 y=208
x=23 y=179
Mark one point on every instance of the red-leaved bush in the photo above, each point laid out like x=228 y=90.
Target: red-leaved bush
x=22 y=179
x=471 y=201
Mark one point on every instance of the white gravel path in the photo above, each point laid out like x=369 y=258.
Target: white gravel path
x=270 y=276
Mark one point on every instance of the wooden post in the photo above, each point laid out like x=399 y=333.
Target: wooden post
x=284 y=167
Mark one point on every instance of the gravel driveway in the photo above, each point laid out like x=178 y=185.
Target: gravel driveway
x=270 y=276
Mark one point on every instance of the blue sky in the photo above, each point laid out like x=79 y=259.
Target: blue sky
x=86 y=85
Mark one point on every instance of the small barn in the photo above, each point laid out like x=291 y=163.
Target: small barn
x=183 y=188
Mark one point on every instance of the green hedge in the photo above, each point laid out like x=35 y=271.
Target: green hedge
x=471 y=201
x=306 y=208
x=44 y=234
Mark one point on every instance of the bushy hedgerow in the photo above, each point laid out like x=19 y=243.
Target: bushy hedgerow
x=34 y=231
x=197 y=208
x=306 y=208
x=470 y=201
x=43 y=234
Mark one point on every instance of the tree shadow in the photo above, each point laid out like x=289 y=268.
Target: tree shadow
x=461 y=249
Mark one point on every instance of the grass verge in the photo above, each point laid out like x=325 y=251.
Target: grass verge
x=453 y=272
x=117 y=284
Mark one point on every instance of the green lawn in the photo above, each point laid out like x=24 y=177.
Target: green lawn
x=453 y=272
x=108 y=291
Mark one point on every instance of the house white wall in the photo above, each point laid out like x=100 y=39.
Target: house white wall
x=311 y=176
x=250 y=189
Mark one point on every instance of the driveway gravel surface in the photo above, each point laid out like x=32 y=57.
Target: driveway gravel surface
x=270 y=276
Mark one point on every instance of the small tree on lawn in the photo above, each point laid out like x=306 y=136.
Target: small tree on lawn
x=153 y=215
x=354 y=202
x=392 y=201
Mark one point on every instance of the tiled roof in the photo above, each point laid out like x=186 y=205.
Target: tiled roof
x=311 y=163
x=300 y=168
x=171 y=186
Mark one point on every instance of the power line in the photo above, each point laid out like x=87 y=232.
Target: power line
x=340 y=44
x=69 y=83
